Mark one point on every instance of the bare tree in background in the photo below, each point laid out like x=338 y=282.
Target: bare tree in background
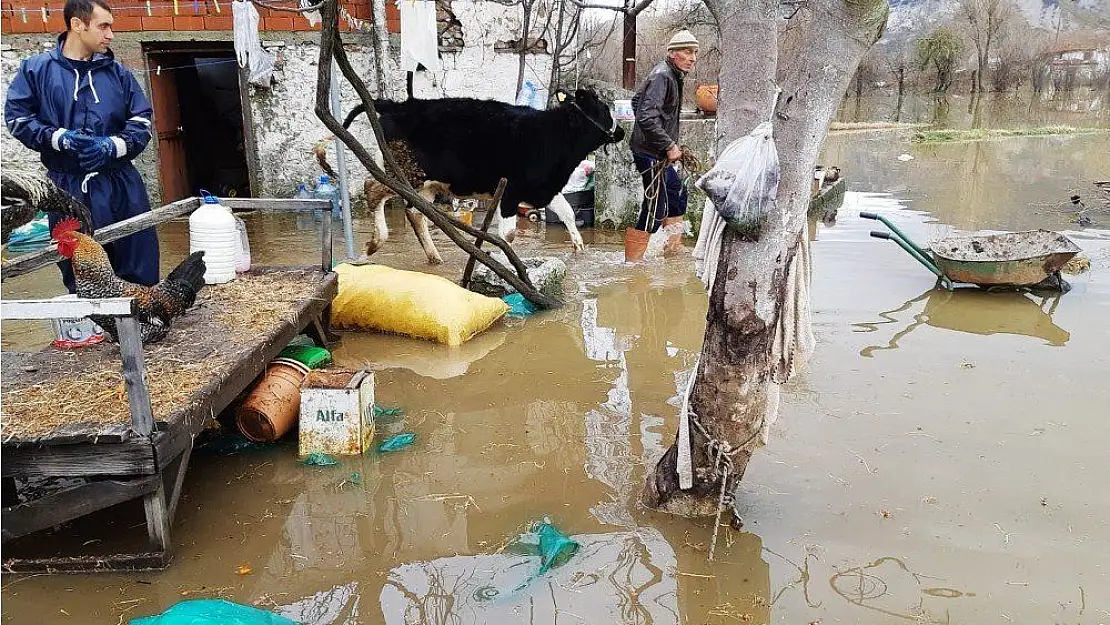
x=985 y=19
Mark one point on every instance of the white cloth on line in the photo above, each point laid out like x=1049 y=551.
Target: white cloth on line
x=419 y=35
x=313 y=17
x=248 y=44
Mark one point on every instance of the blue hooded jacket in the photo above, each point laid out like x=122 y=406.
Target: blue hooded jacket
x=49 y=96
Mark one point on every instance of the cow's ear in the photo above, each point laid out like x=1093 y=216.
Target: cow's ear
x=562 y=96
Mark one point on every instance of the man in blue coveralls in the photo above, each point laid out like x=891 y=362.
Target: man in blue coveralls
x=85 y=114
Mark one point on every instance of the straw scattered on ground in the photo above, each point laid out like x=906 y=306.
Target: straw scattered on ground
x=86 y=386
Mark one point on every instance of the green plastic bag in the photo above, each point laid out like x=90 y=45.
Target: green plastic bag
x=397 y=441
x=546 y=541
x=212 y=612
x=308 y=355
x=317 y=459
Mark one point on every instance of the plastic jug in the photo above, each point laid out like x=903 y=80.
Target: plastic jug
x=243 y=257
x=213 y=228
x=326 y=191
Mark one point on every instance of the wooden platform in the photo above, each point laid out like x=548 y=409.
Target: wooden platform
x=72 y=445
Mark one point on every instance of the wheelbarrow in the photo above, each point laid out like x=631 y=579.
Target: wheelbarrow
x=1007 y=260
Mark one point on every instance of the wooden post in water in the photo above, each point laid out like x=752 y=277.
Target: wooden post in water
x=491 y=210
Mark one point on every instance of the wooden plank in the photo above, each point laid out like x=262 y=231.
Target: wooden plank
x=493 y=207
x=71 y=503
x=325 y=243
x=275 y=204
x=66 y=308
x=131 y=458
x=177 y=479
x=89 y=564
x=157 y=518
x=30 y=262
x=134 y=376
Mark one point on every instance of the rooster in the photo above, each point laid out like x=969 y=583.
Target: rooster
x=24 y=192
x=156 y=305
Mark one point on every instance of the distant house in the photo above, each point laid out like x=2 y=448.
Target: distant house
x=1075 y=64
x=217 y=131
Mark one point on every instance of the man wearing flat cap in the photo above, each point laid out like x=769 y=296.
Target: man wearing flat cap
x=657 y=105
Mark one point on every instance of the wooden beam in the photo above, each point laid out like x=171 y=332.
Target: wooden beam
x=65 y=505
x=131 y=458
x=157 y=517
x=134 y=376
x=493 y=207
x=89 y=564
x=326 y=247
x=178 y=479
x=275 y=204
x=30 y=262
x=66 y=308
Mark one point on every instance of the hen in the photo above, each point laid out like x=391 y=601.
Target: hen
x=24 y=192
x=156 y=305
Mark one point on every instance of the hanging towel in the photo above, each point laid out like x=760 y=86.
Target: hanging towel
x=313 y=17
x=419 y=35
x=248 y=45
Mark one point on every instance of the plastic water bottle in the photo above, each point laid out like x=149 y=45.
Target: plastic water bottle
x=326 y=191
x=305 y=221
x=213 y=228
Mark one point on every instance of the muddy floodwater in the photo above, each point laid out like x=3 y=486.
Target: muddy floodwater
x=941 y=459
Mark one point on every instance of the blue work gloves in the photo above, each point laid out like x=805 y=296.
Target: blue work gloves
x=96 y=153
x=73 y=141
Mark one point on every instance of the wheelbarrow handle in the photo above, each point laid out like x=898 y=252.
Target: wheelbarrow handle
x=881 y=235
x=868 y=216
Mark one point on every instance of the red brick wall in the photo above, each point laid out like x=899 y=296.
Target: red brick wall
x=132 y=15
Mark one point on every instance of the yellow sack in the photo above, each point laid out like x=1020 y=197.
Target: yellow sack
x=374 y=297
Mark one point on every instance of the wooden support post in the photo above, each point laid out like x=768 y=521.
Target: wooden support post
x=181 y=465
x=134 y=376
x=491 y=211
x=628 y=52
x=326 y=242
x=157 y=519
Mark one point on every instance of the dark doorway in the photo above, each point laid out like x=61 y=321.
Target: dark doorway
x=200 y=119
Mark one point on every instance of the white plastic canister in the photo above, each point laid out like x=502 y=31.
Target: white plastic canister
x=212 y=228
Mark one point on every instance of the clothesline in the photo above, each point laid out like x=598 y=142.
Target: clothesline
x=46 y=10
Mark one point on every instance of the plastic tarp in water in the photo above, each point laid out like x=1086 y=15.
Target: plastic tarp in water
x=212 y=612
x=623 y=577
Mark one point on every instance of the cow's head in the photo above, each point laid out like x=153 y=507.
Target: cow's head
x=587 y=102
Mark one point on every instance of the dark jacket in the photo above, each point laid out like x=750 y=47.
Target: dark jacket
x=48 y=95
x=657 y=105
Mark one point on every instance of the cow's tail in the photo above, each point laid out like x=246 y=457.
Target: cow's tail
x=321 y=152
x=355 y=112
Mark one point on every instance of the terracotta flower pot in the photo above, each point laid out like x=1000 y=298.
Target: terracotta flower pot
x=273 y=406
x=707 y=98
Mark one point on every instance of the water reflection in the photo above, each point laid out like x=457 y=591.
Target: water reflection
x=976 y=312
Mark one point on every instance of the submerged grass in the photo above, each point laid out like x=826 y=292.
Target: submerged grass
x=982 y=134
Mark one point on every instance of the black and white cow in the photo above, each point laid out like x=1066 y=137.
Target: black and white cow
x=463 y=147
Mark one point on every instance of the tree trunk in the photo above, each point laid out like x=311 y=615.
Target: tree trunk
x=758 y=325
x=526 y=25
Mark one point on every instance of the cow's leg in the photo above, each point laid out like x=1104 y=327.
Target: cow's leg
x=420 y=226
x=376 y=196
x=562 y=209
x=506 y=226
